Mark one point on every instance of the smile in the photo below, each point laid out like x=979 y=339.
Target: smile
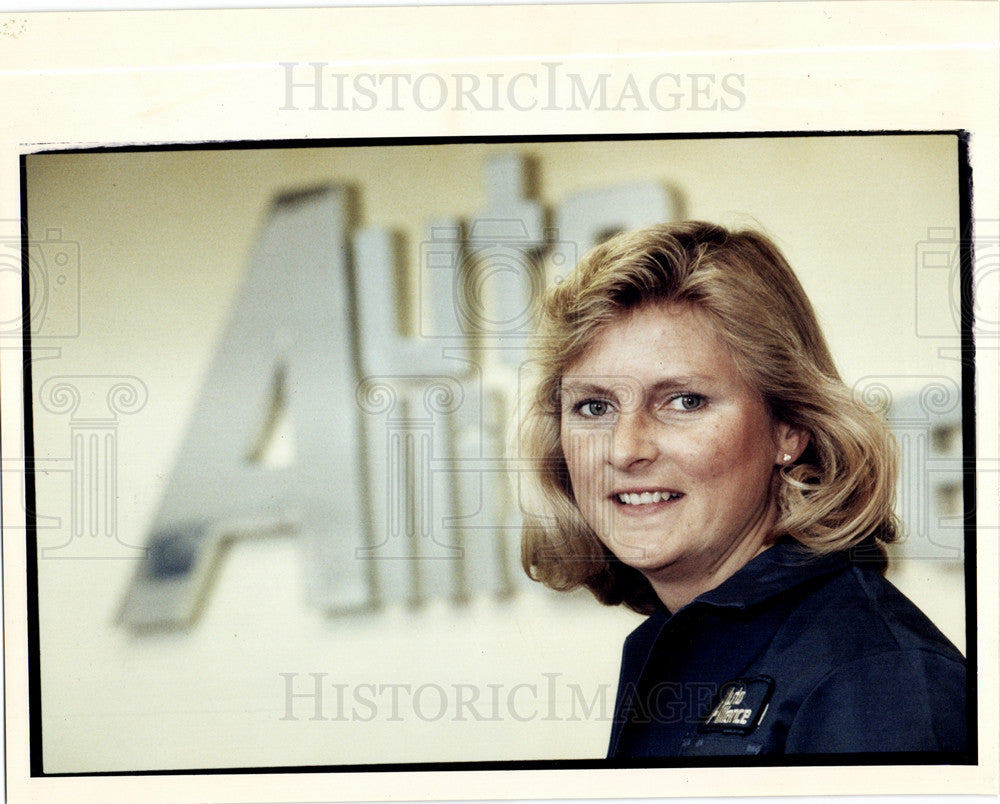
x=647 y=497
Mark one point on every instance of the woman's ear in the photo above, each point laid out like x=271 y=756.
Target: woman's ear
x=791 y=443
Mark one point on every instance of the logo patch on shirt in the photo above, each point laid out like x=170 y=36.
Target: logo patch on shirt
x=740 y=706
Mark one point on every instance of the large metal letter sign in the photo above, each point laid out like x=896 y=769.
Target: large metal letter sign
x=592 y=216
x=506 y=241
x=290 y=333
x=398 y=486
x=411 y=389
x=422 y=400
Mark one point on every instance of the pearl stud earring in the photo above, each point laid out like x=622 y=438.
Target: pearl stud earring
x=786 y=457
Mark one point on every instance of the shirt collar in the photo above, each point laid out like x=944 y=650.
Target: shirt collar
x=779 y=568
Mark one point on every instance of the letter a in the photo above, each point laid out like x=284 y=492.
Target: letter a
x=288 y=343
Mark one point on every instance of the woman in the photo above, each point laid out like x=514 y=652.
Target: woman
x=697 y=458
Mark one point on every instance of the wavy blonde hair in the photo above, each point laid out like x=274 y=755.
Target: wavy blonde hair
x=838 y=495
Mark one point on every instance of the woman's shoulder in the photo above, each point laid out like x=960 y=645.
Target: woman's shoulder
x=909 y=626
x=850 y=620
x=872 y=663
x=869 y=614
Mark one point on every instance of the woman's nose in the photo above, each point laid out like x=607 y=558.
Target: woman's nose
x=633 y=443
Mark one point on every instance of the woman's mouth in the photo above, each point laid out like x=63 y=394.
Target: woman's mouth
x=646 y=497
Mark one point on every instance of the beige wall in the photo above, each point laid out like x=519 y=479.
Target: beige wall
x=163 y=240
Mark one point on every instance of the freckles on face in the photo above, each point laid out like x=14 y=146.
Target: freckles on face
x=670 y=453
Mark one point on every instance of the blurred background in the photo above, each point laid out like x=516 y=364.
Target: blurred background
x=262 y=658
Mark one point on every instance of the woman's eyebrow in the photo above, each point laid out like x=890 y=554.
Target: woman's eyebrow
x=587 y=388
x=610 y=385
x=682 y=382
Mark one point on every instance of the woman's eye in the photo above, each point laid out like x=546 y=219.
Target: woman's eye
x=687 y=402
x=594 y=408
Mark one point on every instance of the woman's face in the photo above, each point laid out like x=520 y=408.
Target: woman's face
x=670 y=453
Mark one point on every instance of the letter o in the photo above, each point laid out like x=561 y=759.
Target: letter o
x=442 y=91
x=442 y=698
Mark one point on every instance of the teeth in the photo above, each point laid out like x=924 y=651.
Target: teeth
x=647 y=497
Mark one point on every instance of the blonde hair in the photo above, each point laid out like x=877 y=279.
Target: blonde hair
x=838 y=495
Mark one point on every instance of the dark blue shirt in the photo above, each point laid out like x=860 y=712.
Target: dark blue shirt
x=791 y=655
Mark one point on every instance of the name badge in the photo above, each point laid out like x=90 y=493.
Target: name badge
x=740 y=706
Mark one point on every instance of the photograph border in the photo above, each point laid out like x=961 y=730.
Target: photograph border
x=21 y=136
